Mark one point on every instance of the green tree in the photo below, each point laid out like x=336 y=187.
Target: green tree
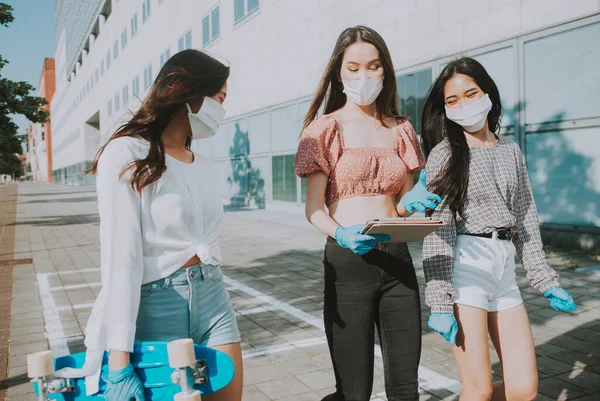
x=15 y=98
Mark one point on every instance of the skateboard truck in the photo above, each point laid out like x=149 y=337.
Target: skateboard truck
x=182 y=357
x=40 y=366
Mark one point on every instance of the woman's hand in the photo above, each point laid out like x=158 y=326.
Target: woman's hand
x=124 y=385
x=361 y=244
x=419 y=199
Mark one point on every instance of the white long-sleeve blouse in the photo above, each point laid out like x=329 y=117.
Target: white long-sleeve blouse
x=145 y=237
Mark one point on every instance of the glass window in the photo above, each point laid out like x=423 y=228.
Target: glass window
x=116 y=50
x=569 y=87
x=185 y=41
x=412 y=91
x=97 y=75
x=252 y=5
x=284 y=128
x=124 y=38
x=102 y=67
x=145 y=10
x=108 y=60
x=564 y=170
x=500 y=64
x=109 y=108
x=125 y=95
x=284 y=179
x=188 y=40
x=258 y=133
x=242 y=8
x=214 y=19
x=206 y=30
x=303 y=189
x=239 y=11
x=117 y=102
x=134 y=26
x=210 y=27
x=135 y=86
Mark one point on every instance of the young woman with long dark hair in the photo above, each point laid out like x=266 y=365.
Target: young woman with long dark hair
x=359 y=159
x=159 y=219
x=490 y=216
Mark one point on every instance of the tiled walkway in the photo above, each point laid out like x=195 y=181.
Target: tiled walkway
x=274 y=272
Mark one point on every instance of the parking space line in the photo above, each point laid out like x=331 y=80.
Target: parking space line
x=431 y=379
x=58 y=342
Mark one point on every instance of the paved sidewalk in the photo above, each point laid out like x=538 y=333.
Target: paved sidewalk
x=274 y=273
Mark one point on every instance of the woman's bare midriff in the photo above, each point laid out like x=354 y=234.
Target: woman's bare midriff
x=360 y=209
x=193 y=261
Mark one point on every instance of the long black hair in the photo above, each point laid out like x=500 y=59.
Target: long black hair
x=453 y=181
x=330 y=85
x=185 y=77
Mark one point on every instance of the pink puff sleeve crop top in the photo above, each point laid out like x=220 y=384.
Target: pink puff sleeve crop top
x=357 y=171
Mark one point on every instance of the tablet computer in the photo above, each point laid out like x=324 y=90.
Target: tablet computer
x=403 y=229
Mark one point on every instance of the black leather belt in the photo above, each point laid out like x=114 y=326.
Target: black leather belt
x=505 y=235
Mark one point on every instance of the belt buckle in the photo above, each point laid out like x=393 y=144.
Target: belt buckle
x=504 y=235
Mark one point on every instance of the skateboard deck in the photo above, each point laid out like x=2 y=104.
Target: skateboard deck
x=151 y=363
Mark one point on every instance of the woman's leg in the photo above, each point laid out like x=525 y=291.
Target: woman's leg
x=351 y=290
x=233 y=392
x=399 y=325
x=511 y=334
x=472 y=353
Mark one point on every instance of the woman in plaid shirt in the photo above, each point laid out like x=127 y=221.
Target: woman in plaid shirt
x=490 y=218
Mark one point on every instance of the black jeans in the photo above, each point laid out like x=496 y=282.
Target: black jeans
x=381 y=289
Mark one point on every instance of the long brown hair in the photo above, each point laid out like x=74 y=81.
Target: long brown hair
x=330 y=85
x=436 y=127
x=187 y=76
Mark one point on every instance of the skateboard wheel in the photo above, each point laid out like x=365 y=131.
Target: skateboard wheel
x=193 y=396
x=181 y=353
x=40 y=364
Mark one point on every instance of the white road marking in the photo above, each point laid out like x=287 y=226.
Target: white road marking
x=56 y=337
x=431 y=379
x=90 y=270
x=75 y=286
x=273 y=349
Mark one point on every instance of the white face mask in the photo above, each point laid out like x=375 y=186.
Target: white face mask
x=471 y=117
x=206 y=122
x=363 y=92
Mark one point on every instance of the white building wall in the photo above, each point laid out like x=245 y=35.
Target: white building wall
x=278 y=54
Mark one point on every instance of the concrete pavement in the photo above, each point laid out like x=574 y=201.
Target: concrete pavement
x=273 y=270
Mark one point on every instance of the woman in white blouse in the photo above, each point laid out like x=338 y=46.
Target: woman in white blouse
x=159 y=219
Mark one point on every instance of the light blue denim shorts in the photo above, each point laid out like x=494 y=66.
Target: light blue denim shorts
x=190 y=303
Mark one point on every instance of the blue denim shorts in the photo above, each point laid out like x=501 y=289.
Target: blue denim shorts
x=190 y=303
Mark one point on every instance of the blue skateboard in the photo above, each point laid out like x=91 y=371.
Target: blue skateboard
x=179 y=370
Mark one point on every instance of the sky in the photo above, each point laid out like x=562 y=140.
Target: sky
x=26 y=42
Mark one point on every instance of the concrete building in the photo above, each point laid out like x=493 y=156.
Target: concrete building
x=543 y=54
x=40 y=135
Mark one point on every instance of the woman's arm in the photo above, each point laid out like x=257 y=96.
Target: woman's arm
x=119 y=207
x=316 y=185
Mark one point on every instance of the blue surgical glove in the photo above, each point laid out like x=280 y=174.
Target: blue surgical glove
x=444 y=324
x=361 y=244
x=419 y=198
x=560 y=299
x=124 y=385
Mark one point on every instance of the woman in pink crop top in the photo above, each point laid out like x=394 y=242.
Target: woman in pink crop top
x=359 y=160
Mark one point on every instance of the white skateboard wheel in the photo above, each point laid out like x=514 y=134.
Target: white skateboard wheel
x=193 y=396
x=181 y=353
x=40 y=364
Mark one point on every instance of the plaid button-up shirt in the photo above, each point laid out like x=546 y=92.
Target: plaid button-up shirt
x=498 y=196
